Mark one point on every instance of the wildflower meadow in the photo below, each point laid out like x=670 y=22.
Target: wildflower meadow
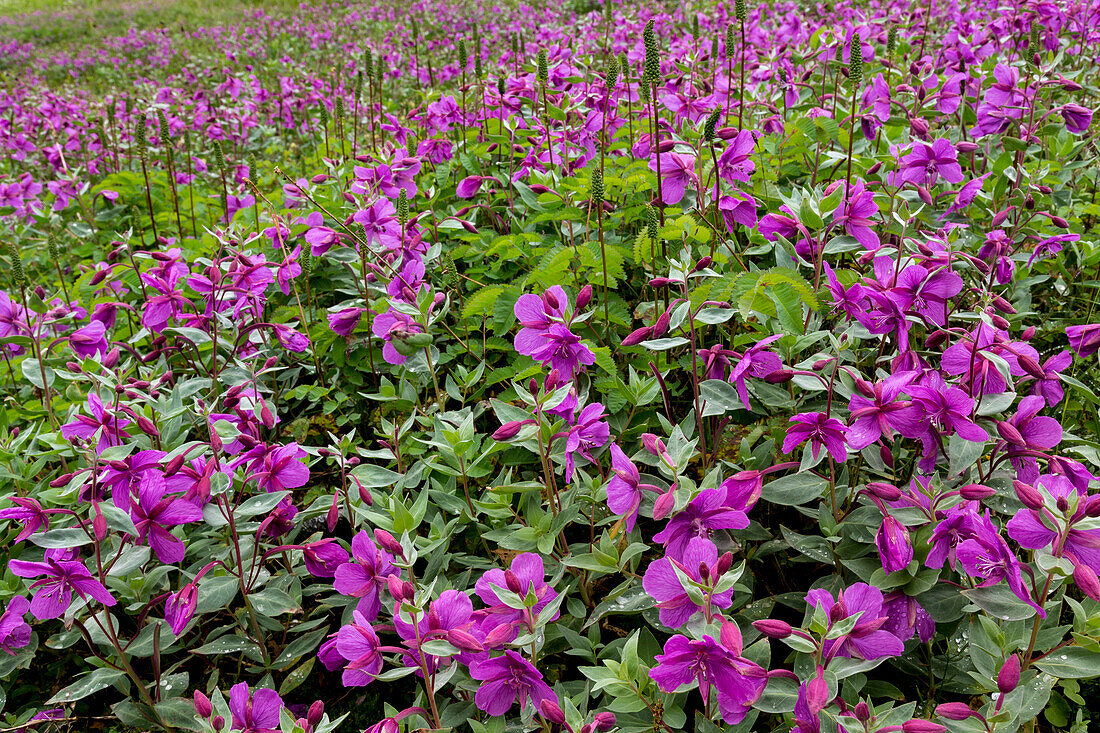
x=594 y=366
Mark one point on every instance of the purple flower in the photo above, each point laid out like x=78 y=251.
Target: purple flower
x=820 y=430
x=393 y=325
x=345 y=321
x=1084 y=339
x=906 y=618
x=110 y=428
x=624 y=492
x=324 y=557
x=257 y=713
x=122 y=477
x=925 y=163
x=705 y=514
x=1077 y=118
x=153 y=513
x=15 y=633
x=738 y=682
x=735 y=164
x=180 y=607
x=506 y=680
x=28 y=512
x=276 y=467
x=867 y=640
x=589 y=432
x=525 y=575
x=850 y=300
x=358 y=644
x=89 y=340
x=942 y=407
x=894 y=547
x=54 y=592
x=676 y=172
x=1033 y=528
x=363 y=577
x=966 y=195
x=986 y=555
x=662 y=583
x=758 y=362
x=1037 y=433
x=380 y=224
x=449 y=617
x=1050 y=385
x=874 y=418
x=854 y=214
x=953 y=529
x=738 y=209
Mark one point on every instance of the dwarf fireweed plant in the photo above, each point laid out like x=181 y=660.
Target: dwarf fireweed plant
x=580 y=367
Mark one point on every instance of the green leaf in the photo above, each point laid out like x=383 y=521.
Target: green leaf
x=795 y=489
x=94 y=681
x=259 y=504
x=1072 y=662
x=1000 y=602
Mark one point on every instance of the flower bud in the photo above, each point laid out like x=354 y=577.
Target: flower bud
x=1028 y=334
x=203 y=707
x=551 y=300
x=916 y=725
x=976 y=492
x=965 y=146
x=465 y=641
x=874 y=169
x=99 y=523
x=779 y=376
x=510 y=429
x=604 y=721
x=884 y=491
x=638 y=336
x=925 y=196
x=664 y=504
x=1003 y=305
x=550 y=710
x=918 y=126
x=501 y=634
x=110 y=360
x=62 y=480
x=999 y=217
x=660 y=328
x=1028 y=495
x=954 y=711
x=702 y=264
x=584 y=297
x=1059 y=222
x=730 y=637
x=773 y=628
x=935 y=339
x=1085 y=578
x=725 y=562
x=862 y=712
x=333 y=515
x=1008 y=432
x=660 y=282
x=388 y=542
x=512 y=581
x=218 y=722
x=1009 y=676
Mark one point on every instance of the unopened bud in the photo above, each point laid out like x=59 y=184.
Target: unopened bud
x=203 y=707
x=1028 y=495
x=1009 y=676
x=584 y=297
x=1085 y=578
x=954 y=711
x=550 y=710
x=388 y=542
x=976 y=492
x=773 y=628
x=884 y=491
x=636 y=337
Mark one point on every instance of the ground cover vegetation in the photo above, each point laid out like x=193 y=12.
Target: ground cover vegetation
x=565 y=367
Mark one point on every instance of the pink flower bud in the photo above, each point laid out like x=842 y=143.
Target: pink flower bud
x=884 y=491
x=551 y=300
x=702 y=264
x=976 y=492
x=954 y=711
x=965 y=146
x=918 y=126
x=1085 y=578
x=99 y=523
x=636 y=337
x=773 y=628
x=664 y=504
x=1000 y=217
x=512 y=581
x=1028 y=495
x=730 y=637
x=62 y=480
x=266 y=417
x=725 y=562
x=218 y=722
x=604 y=721
x=1008 y=432
x=666 y=145
x=203 y=707
x=862 y=712
x=925 y=196
x=465 y=641
x=510 y=429
x=1009 y=676
x=1059 y=222
x=1028 y=334
x=779 y=376
x=916 y=725
x=660 y=282
x=501 y=634
x=584 y=297
x=550 y=710
x=333 y=515
x=660 y=328
x=388 y=542
x=111 y=358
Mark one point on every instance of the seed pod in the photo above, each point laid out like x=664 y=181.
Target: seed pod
x=891 y=41
x=543 y=68
x=53 y=247
x=855 y=60
x=324 y=114
x=695 y=26
x=651 y=223
x=141 y=138
x=17 y=272
x=624 y=68
x=712 y=122
x=611 y=78
x=165 y=132
x=305 y=261
x=339 y=109
x=731 y=41
x=463 y=57
x=368 y=64
x=739 y=11
x=652 y=73
x=597 y=186
x=403 y=207
x=414 y=28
